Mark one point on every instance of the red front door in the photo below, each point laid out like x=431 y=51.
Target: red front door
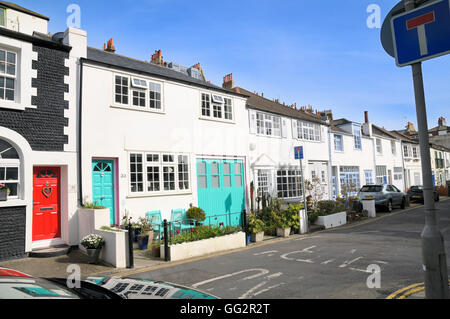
x=46 y=203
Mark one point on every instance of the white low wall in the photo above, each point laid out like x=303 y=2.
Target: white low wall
x=91 y=219
x=205 y=247
x=331 y=221
x=115 y=252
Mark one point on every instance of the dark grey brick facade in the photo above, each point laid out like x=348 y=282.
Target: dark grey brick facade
x=43 y=127
x=12 y=232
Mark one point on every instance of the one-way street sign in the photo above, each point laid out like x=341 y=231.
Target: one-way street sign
x=422 y=34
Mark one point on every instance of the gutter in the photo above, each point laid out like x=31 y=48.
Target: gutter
x=80 y=135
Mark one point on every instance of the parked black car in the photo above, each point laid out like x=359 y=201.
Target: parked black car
x=415 y=193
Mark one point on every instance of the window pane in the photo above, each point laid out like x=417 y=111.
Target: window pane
x=215 y=168
x=238 y=180
x=202 y=182
x=2 y=173
x=215 y=181
x=13 y=188
x=202 y=168
x=227 y=181
x=226 y=168
x=12 y=173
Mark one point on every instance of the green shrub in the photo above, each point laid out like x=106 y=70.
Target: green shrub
x=328 y=207
x=254 y=224
x=196 y=213
x=290 y=218
x=93 y=205
x=204 y=232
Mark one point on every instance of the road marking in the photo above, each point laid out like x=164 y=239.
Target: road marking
x=251 y=293
x=327 y=262
x=353 y=251
x=361 y=270
x=381 y=262
x=262 y=272
x=306 y=250
x=266 y=252
x=303 y=238
x=394 y=294
x=346 y=263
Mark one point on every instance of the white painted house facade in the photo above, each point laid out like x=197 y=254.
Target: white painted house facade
x=275 y=130
x=352 y=158
x=155 y=138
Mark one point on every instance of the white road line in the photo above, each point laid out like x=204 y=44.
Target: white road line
x=327 y=262
x=262 y=272
x=267 y=289
x=303 y=238
x=381 y=262
x=361 y=270
x=266 y=252
x=278 y=274
x=251 y=293
x=346 y=263
x=353 y=251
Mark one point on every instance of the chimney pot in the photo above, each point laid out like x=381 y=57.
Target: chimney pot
x=109 y=46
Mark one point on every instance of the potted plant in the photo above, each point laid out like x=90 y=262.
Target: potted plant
x=256 y=228
x=156 y=250
x=93 y=244
x=145 y=233
x=4 y=192
x=196 y=214
x=288 y=219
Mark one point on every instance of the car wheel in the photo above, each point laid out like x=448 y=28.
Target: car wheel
x=403 y=205
x=389 y=206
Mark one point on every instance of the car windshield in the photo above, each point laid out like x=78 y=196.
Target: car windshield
x=371 y=189
x=417 y=188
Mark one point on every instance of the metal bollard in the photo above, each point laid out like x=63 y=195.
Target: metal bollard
x=166 y=242
x=130 y=246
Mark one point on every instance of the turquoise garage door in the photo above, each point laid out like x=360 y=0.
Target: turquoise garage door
x=221 y=190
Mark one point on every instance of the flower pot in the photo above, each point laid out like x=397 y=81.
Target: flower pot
x=3 y=195
x=93 y=254
x=142 y=242
x=283 y=232
x=136 y=232
x=255 y=238
x=156 y=252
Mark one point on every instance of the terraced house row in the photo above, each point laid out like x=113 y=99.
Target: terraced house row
x=82 y=124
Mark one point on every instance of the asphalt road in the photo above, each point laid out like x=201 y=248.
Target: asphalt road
x=331 y=264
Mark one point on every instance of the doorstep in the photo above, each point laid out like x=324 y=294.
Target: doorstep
x=50 y=252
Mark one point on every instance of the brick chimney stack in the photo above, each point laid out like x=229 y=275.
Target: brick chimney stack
x=410 y=127
x=366 y=117
x=228 y=82
x=109 y=46
x=157 y=58
x=442 y=121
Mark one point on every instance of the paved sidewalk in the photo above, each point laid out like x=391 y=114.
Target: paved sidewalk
x=56 y=267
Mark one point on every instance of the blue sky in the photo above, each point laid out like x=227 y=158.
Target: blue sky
x=317 y=52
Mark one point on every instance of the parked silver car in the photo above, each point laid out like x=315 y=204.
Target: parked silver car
x=386 y=196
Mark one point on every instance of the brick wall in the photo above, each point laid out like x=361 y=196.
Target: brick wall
x=43 y=127
x=12 y=232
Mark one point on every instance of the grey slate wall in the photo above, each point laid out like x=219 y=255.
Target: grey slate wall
x=43 y=127
x=12 y=232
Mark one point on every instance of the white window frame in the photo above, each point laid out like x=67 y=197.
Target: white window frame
x=308 y=131
x=268 y=125
x=140 y=85
x=341 y=143
x=137 y=88
x=368 y=176
x=153 y=109
x=357 y=138
x=394 y=148
x=162 y=165
x=5 y=21
x=217 y=109
x=379 y=143
x=13 y=77
x=297 y=190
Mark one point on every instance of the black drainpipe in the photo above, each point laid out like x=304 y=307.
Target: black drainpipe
x=80 y=113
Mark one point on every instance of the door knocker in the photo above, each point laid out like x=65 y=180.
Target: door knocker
x=47 y=191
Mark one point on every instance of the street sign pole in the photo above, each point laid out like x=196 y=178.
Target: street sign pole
x=433 y=249
x=304 y=195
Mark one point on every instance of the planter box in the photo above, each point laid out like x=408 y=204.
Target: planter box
x=115 y=251
x=283 y=232
x=256 y=238
x=205 y=247
x=331 y=221
x=91 y=219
